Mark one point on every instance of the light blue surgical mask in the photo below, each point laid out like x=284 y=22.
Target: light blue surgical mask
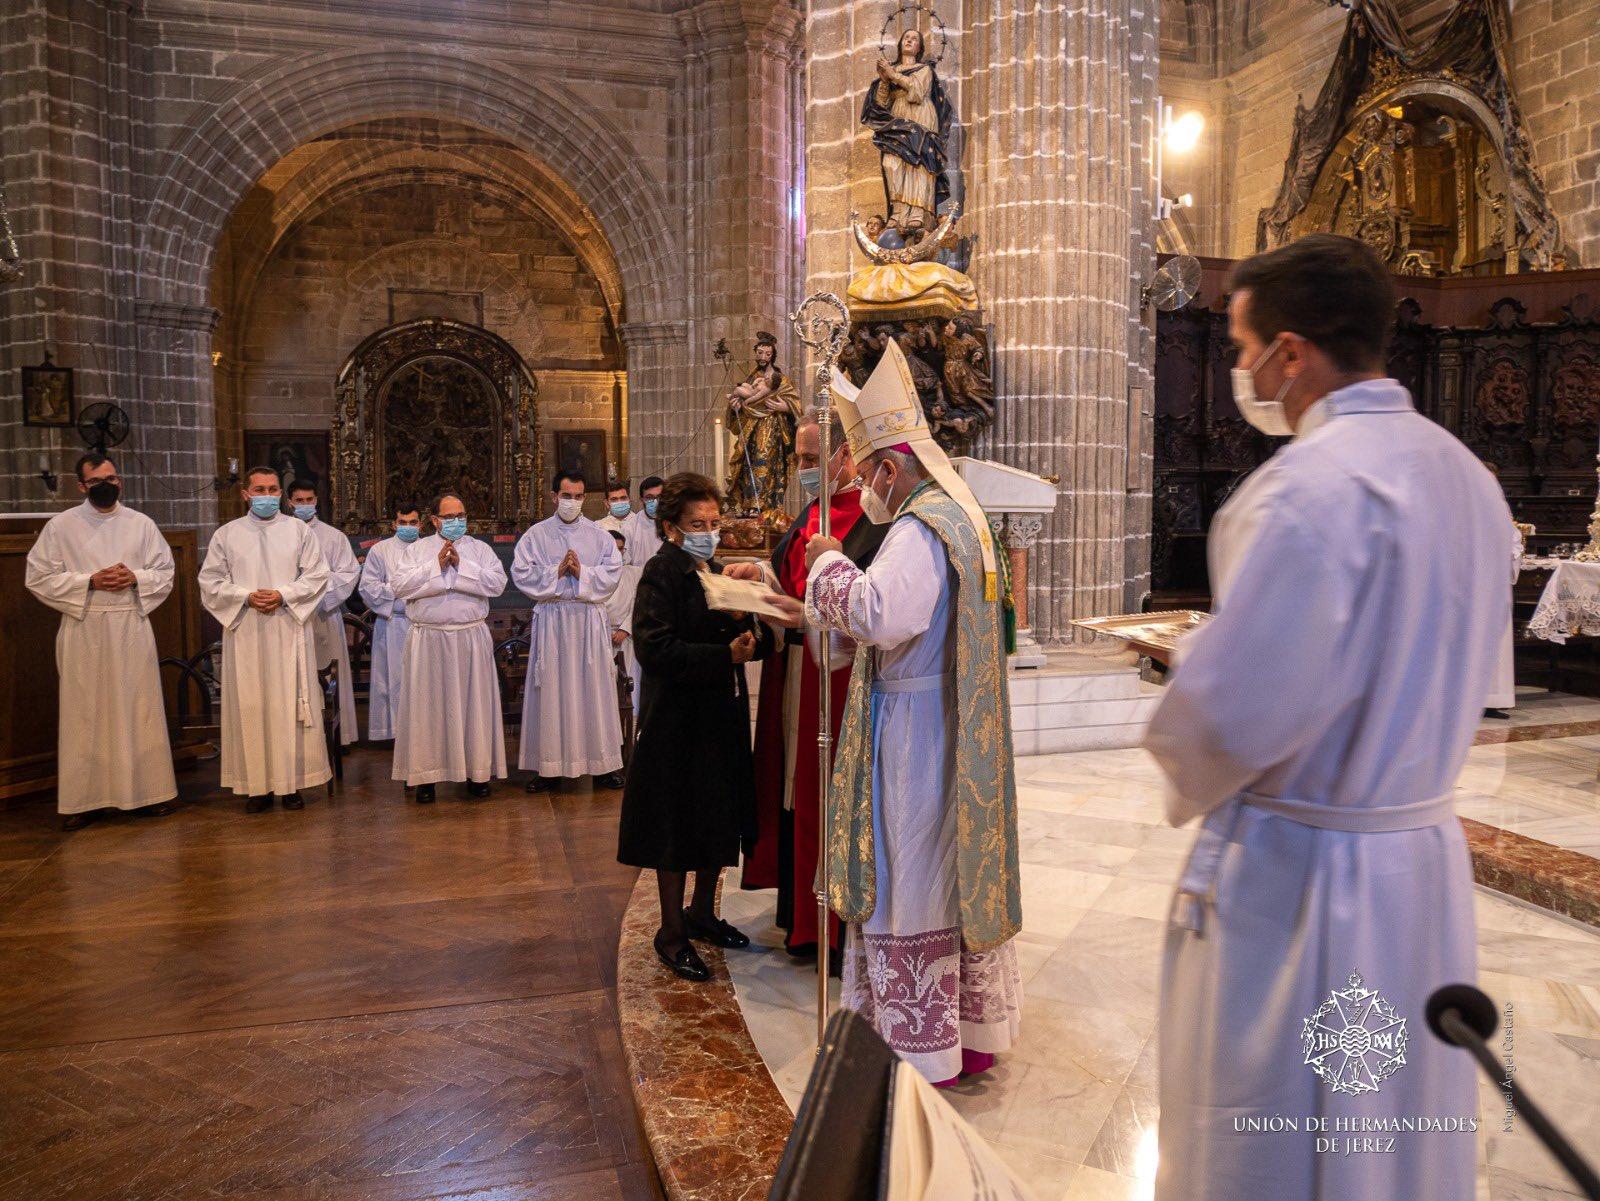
x=650 y=508
x=620 y=509
x=305 y=512
x=453 y=527
x=265 y=506
x=407 y=533
x=811 y=479
x=702 y=544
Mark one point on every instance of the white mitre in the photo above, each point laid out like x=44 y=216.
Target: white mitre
x=885 y=414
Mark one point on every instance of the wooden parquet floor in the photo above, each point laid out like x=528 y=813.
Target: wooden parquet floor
x=369 y=1000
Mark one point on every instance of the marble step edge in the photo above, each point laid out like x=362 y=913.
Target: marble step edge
x=1073 y=715
x=1551 y=877
x=1081 y=738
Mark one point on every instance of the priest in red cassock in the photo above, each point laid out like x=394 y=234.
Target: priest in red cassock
x=784 y=854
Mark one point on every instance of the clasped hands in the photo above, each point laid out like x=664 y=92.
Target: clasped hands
x=265 y=600
x=569 y=565
x=116 y=578
x=449 y=557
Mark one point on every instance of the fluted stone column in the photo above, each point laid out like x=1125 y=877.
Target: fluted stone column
x=1060 y=95
x=174 y=417
x=658 y=428
x=1057 y=101
x=742 y=164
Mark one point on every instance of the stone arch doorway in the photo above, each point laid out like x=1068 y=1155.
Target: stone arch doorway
x=433 y=405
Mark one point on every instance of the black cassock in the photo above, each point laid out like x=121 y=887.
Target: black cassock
x=690 y=796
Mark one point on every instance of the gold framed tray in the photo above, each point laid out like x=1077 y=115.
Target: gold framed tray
x=1153 y=634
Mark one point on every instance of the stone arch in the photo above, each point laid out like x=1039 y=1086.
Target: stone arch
x=290 y=101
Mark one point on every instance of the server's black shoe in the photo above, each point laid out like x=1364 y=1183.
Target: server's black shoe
x=424 y=794
x=293 y=801
x=477 y=791
x=258 y=804
x=540 y=784
x=612 y=779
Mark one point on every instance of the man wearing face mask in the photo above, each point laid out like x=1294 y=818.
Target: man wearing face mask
x=784 y=854
x=343 y=573
x=448 y=726
x=568 y=566
x=618 y=509
x=262 y=579
x=113 y=751
x=922 y=852
x=639 y=527
x=389 y=622
x=1317 y=724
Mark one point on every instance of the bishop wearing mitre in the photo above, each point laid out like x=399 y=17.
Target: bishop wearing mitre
x=922 y=841
x=106 y=568
x=328 y=628
x=262 y=579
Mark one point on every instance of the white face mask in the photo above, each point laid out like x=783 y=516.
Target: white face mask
x=1265 y=415
x=568 y=508
x=873 y=507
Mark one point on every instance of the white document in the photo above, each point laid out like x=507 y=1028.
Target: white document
x=738 y=596
x=936 y=1155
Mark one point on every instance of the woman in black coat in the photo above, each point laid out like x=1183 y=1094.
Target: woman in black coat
x=690 y=795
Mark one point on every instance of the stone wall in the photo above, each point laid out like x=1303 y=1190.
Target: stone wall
x=1274 y=51
x=660 y=143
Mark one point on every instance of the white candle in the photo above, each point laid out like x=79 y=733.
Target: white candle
x=722 y=448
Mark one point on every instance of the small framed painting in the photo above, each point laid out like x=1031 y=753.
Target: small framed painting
x=583 y=451
x=47 y=397
x=295 y=455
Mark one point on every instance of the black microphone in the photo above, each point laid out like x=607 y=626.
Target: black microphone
x=1464 y=1016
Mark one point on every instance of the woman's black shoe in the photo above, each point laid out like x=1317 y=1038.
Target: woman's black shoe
x=715 y=931
x=686 y=963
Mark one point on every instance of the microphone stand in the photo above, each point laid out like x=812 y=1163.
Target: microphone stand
x=820 y=322
x=1463 y=1016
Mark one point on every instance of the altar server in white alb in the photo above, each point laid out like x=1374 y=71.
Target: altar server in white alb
x=389 y=622
x=106 y=568
x=1317 y=724
x=922 y=843
x=262 y=579
x=619 y=616
x=449 y=726
x=639 y=528
x=641 y=539
x=569 y=567
x=343 y=573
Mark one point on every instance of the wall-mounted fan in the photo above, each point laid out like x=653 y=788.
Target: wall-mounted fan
x=101 y=425
x=1176 y=283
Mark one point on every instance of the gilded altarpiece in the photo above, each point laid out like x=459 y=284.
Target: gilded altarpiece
x=431 y=406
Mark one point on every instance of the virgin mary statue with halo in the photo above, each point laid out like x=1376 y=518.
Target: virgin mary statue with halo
x=909 y=115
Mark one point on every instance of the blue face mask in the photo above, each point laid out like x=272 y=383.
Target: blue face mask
x=453 y=528
x=811 y=479
x=305 y=512
x=650 y=508
x=407 y=533
x=620 y=509
x=265 y=506
x=702 y=545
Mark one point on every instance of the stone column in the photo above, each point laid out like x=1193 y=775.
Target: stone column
x=660 y=425
x=742 y=162
x=174 y=418
x=1059 y=97
x=1017 y=533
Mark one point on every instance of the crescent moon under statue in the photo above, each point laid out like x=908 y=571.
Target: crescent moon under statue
x=922 y=252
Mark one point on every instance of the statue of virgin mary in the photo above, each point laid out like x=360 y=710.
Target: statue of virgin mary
x=909 y=116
